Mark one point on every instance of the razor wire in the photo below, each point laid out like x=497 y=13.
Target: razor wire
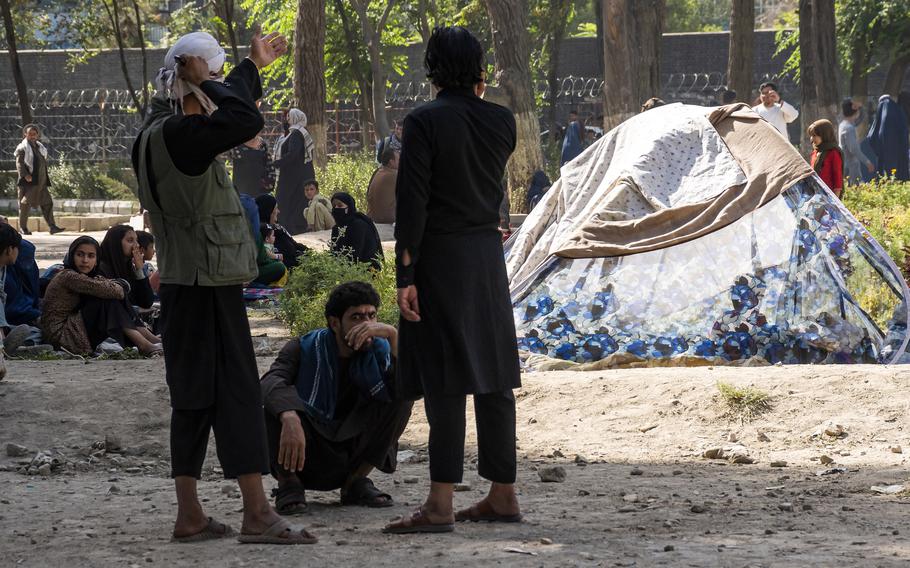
x=98 y=125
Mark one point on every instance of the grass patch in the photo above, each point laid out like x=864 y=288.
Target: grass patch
x=743 y=402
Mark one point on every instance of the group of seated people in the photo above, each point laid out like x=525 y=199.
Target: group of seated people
x=101 y=292
x=354 y=234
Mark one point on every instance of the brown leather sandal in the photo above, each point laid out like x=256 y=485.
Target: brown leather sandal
x=417 y=522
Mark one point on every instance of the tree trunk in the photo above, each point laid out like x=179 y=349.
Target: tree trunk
x=827 y=65
x=228 y=17
x=363 y=83
x=372 y=36
x=113 y=14
x=557 y=15
x=511 y=47
x=742 y=41
x=859 y=79
x=309 y=72
x=598 y=7
x=631 y=56
x=807 y=80
x=818 y=64
x=895 y=77
x=25 y=110
x=145 y=64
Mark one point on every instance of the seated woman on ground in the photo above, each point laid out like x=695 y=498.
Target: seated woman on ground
x=121 y=257
x=318 y=213
x=289 y=249
x=83 y=308
x=354 y=234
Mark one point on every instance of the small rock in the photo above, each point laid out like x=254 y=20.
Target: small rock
x=228 y=488
x=583 y=493
x=896 y=450
x=698 y=509
x=741 y=458
x=552 y=474
x=833 y=429
x=410 y=480
x=462 y=487
x=713 y=453
x=546 y=540
x=580 y=459
x=44 y=469
x=786 y=507
x=627 y=509
x=825 y=460
x=677 y=472
x=16 y=451
x=112 y=443
x=630 y=498
x=558 y=454
x=779 y=463
x=636 y=471
x=762 y=437
x=342 y=542
x=669 y=548
x=113 y=490
x=731 y=437
x=647 y=428
x=133 y=470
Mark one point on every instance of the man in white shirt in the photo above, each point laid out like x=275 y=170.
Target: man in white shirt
x=773 y=109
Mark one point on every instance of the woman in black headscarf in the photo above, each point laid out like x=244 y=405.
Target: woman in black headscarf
x=294 y=159
x=290 y=249
x=121 y=257
x=354 y=234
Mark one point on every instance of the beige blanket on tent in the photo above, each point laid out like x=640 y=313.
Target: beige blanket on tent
x=639 y=203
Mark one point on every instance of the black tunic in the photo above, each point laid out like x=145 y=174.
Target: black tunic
x=252 y=170
x=453 y=157
x=293 y=171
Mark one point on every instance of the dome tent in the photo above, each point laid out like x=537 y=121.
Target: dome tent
x=691 y=236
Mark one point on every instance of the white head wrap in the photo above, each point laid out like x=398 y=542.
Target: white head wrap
x=200 y=44
x=297 y=121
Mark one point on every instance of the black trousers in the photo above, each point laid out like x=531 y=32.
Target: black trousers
x=495 y=418
x=329 y=463
x=213 y=380
x=105 y=318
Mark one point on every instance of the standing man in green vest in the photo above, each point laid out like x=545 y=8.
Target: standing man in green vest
x=206 y=253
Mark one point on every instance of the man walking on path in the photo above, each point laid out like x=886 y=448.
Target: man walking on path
x=31 y=167
x=776 y=111
x=457 y=335
x=206 y=252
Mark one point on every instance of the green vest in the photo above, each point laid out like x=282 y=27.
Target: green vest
x=201 y=232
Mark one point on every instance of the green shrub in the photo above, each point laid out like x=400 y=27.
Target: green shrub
x=302 y=305
x=882 y=206
x=350 y=173
x=70 y=180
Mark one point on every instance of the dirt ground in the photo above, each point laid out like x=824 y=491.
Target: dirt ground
x=637 y=491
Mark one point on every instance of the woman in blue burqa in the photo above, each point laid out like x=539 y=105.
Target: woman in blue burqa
x=888 y=137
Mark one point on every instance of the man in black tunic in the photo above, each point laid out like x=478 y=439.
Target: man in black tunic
x=206 y=253
x=329 y=410
x=457 y=336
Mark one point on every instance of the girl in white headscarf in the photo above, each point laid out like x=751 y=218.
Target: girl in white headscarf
x=33 y=182
x=294 y=159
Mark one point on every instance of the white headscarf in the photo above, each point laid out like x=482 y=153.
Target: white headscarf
x=200 y=44
x=28 y=155
x=297 y=121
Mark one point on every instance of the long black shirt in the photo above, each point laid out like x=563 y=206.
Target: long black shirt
x=194 y=141
x=452 y=160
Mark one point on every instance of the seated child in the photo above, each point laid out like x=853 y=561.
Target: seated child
x=318 y=213
x=268 y=240
x=146 y=242
x=83 y=308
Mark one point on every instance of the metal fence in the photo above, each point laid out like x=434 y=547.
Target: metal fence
x=100 y=125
